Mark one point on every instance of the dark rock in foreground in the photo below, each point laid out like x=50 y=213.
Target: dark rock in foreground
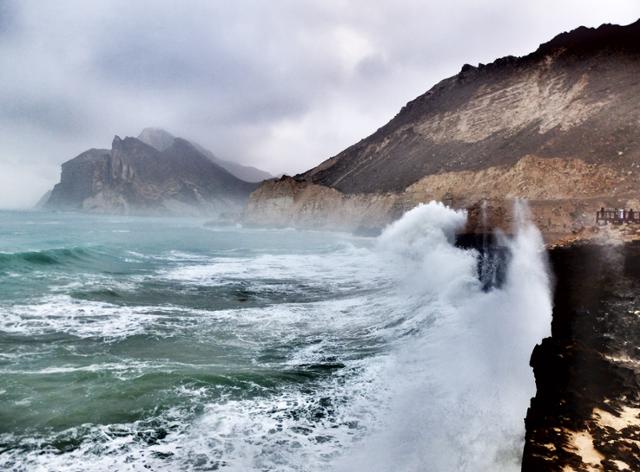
x=585 y=415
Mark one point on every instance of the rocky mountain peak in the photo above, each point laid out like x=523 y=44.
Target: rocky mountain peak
x=584 y=40
x=567 y=99
x=162 y=140
x=157 y=138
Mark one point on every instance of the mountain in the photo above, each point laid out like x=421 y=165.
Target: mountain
x=133 y=177
x=161 y=139
x=570 y=98
x=157 y=138
x=559 y=127
x=43 y=200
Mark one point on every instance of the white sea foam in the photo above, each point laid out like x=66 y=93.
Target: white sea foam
x=435 y=375
x=350 y=264
x=461 y=388
x=262 y=325
x=63 y=314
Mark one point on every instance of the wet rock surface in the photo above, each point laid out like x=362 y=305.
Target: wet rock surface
x=586 y=413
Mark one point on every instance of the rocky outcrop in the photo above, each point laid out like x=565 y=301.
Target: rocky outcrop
x=563 y=196
x=287 y=202
x=161 y=140
x=559 y=127
x=81 y=177
x=133 y=177
x=585 y=416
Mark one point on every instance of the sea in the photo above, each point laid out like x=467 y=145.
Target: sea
x=169 y=344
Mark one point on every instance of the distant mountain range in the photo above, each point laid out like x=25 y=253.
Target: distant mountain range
x=155 y=173
x=559 y=127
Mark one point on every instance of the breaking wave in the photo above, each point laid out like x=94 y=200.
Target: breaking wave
x=460 y=388
x=55 y=259
x=404 y=361
x=41 y=258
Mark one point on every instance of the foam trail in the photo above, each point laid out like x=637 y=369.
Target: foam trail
x=460 y=388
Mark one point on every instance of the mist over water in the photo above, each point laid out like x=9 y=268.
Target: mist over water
x=137 y=344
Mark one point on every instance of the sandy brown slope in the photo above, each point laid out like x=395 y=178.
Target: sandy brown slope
x=577 y=96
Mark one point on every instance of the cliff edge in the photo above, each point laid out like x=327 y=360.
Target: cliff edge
x=585 y=416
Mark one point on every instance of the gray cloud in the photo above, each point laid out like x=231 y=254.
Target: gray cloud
x=56 y=114
x=281 y=85
x=7 y=17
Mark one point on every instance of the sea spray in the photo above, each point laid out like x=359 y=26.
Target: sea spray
x=460 y=387
x=190 y=349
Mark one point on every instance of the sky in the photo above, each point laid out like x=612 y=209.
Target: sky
x=278 y=84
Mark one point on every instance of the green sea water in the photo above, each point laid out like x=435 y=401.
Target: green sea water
x=130 y=343
x=118 y=332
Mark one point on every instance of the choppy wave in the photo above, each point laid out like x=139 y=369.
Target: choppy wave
x=392 y=356
x=48 y=257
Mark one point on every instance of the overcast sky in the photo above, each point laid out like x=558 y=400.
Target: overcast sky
x=278 y=84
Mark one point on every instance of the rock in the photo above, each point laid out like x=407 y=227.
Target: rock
x=587 y=373
x=133 y=177
x=289 y=202
x=43 y=200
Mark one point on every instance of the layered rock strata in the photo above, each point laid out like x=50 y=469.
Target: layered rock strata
x=559 y=127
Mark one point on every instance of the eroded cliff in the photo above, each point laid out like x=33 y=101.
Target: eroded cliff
x=563 y=195
x=134 y=177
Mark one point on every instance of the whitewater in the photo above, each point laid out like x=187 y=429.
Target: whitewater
x=136 y=344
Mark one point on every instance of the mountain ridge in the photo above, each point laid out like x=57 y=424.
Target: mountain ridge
x=162 y=139
x=572 y=107
x=557 y=61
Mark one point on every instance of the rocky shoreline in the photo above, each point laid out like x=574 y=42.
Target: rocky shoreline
x=586 y=413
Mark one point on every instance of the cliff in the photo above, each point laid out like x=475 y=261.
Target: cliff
x=585 y=416
x=287 y=202
x=559 y=127
x=133 y=177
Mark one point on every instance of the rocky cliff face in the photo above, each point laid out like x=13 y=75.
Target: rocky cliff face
x=133 y=177
x=559 y=127
x=586 y=413
x=288 y=202
x=575 y=97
